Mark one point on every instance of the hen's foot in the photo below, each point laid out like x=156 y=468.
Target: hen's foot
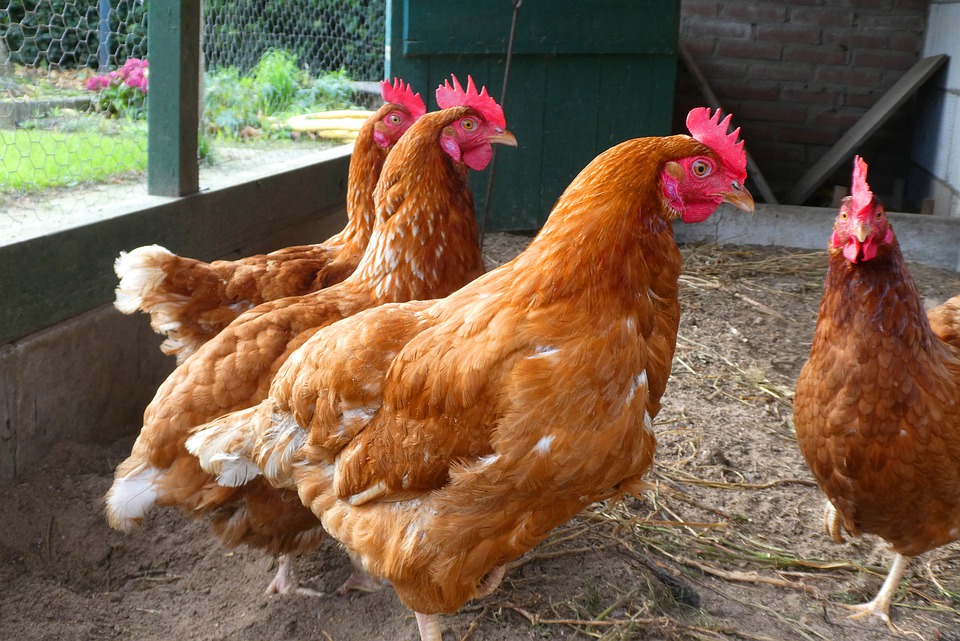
x=286 y=582
x=880 y=605
x=361 y=582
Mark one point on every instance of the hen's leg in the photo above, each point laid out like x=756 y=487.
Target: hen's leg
x=491 y=582
x=429 y=625
x=286 y=582
x=880 y=606
x=831 y=522
x=361 y=581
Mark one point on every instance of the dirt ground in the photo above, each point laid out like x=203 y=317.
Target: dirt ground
x=727 y=546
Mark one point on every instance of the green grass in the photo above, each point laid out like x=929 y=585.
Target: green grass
x=35 y=159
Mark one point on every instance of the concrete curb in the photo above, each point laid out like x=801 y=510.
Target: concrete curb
x=930 y=240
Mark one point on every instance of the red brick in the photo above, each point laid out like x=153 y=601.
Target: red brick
x=849 y=38
x=698 y=27
x=816 y=54
x=713 y=67
x=906 y=41
x=808 y=135
x=749 y=49
x=740 y=88
x=751 y=12
x=706 y=8
x=865 y=99
x=849 y=76
x=788 y=33
x=844 y=119
x=884 y=59
x=870 y=4
x=887 y=20
x=780 y=71
x=761 y=110
x=821 y=17
x=760 y=147
x=811 y=96
x=699 y=46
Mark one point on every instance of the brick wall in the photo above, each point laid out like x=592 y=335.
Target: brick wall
x=798 y=74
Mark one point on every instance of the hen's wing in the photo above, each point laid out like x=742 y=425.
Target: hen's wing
x=945 y=321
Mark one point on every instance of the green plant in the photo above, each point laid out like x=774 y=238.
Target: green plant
x=276 y=79
x=37 y=159
x=275 y=88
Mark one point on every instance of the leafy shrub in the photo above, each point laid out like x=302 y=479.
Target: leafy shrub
x=235 y=101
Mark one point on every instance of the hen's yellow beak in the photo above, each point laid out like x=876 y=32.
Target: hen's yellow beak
x=503 y=137
x=739 y=197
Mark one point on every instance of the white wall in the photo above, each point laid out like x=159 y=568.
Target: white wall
x=937 y=144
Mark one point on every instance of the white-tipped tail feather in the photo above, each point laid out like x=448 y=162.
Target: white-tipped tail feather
x=131 y=497
x=141 y=273
x=224 y=448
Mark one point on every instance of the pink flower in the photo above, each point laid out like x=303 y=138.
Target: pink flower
x=96 y=83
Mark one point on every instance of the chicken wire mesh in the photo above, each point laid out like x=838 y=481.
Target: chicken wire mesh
x=74 y=88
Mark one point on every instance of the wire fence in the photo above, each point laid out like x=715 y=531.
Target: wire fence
x=74 y=91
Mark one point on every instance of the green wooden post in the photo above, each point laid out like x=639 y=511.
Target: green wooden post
x=173 y=117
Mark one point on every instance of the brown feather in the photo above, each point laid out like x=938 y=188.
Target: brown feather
x=445 y=439
x=424 y=245
x=877 y=407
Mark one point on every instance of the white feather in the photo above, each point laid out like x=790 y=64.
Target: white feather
x=131 y=497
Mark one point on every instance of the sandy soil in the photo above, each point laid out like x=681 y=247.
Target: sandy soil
x=727 y=544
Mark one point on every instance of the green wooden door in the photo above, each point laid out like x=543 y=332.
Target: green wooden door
x=583 y=77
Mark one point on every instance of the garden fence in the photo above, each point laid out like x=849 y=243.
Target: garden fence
x=74 y=88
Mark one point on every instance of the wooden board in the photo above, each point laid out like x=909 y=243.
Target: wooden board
x=752 y=170
x=865 y=127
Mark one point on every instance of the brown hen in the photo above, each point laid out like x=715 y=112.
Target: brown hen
x=424 y=245
x=438 y=441
x=190 y=301
x=877 y=406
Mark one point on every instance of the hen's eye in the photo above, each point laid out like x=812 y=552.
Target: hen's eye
x=879 y=215
x=468 y=124
x=701 y=168
x=394 y=119
x=843 y=215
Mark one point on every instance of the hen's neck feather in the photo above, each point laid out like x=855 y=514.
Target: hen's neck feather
x=425 y=237
x=873 y=296
x=610 y=232
x=366 y=163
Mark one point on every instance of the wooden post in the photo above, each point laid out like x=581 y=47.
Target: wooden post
x=173 y=117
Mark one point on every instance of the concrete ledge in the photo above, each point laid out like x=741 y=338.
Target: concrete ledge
x=87 y=379
x=930 y=240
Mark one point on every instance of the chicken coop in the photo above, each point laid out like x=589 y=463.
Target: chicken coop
x=727 y=544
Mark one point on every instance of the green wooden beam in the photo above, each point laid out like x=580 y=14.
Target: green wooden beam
x=173 y=115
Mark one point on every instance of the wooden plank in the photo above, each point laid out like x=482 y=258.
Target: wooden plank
x=48 y=279
x=753 y=171
x=865 y=127
x=173 y=119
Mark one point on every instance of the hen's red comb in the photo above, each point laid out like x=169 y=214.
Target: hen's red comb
x=400 y=93
x=860 y=190
x=456 y=96
x=712 y=132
